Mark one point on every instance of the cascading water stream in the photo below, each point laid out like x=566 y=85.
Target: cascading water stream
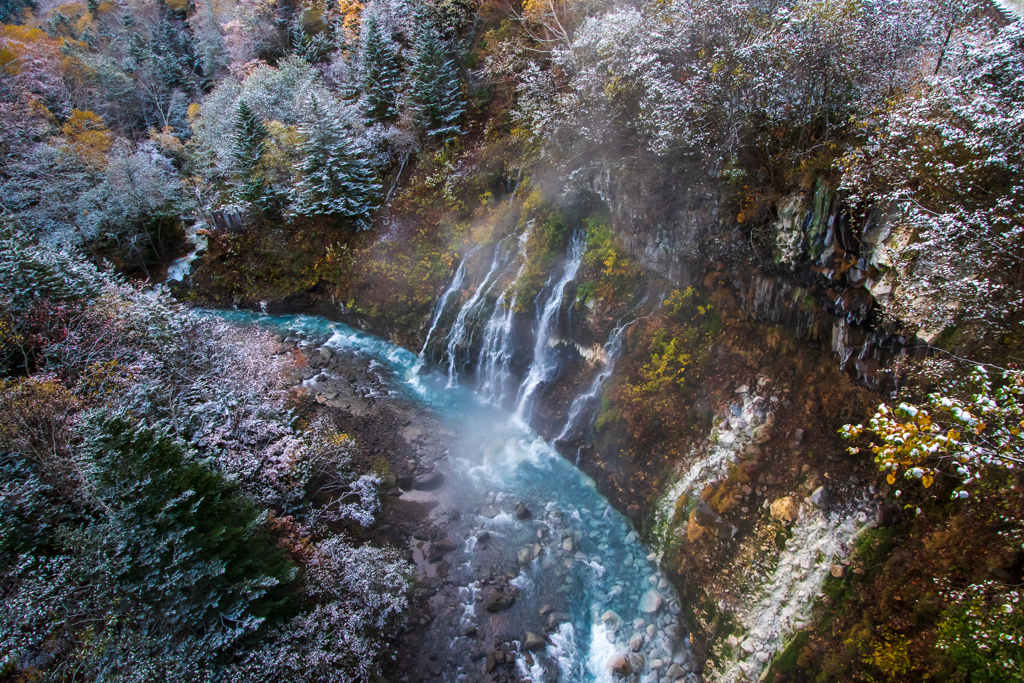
x=612 y=349
x=494 y=366
x=456 y=284
x=544 y=363
x=459 y=333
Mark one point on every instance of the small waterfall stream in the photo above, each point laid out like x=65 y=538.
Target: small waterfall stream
x=462 y=327
x=455 y=286
x=544 y=363
x=494 y=368
x=580 y=404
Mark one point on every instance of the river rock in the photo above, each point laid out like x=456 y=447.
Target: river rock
x=784 y=510
x=636 y=641
x=619 y=665
x=523 y=512
x=650 y=602
x=611 y=619
x=534 y=642
x=428 y=482
x=439 y=549
x=568 y=544
x=326 y=353
x=675 y=672
x=489 y=511
x=525 y=555
x=556 y=618
x=546 y=610
x=820 y=497
x=483 y=536
x=498 y=600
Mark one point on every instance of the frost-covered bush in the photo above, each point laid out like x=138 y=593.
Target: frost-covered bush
x=141 y=446
x=361 y=596
x=948 y=161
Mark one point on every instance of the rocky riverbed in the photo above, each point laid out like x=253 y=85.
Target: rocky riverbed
x=523 y=571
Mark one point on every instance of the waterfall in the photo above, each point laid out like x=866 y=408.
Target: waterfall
x=456 y=284
x=498 y=348
x=460 y=331
x=612 y=349
x=544 y=363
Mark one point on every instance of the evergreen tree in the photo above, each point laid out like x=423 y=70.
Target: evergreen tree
x=336 y=180
x=250 y=134
x=10 y=10
x=434 y=94
x=380 y=73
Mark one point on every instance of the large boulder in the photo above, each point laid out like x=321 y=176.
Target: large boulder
x=534 y=642
x=619 y=665
x=784 y=510
x=498 y=600
x=650 y=602
x=428 y=482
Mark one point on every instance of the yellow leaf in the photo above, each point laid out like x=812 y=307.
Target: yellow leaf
x=927 y=480
x=891 y=479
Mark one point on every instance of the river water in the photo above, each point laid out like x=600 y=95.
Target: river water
x=537 y=550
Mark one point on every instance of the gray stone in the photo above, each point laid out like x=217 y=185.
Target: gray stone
x=568 y=544
x=675 y=672
x=534 y=642
x=428 y=482
x=611 y=619
x=636 y=641
x=650 y=602
x=440 y=549
x=619 y=665
x=820 y=497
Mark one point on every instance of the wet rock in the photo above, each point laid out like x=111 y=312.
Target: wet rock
x=404 y=481
x=546 y=609
x=525 y=555
x=650 y=602
x=707 y=517
x=428 y=482
x=820 y=497
x=556 y=618
x=784 y=510
x=534 y=642
x=326 y=353
x=619 y=665
x=611 y=619
x=483 y=536
x=523 y=512
x=489 y=511
x=498 y=600
x=675 y=672
x=439 y=549
x=837 y=571
x=636 y=641
x=568 y=544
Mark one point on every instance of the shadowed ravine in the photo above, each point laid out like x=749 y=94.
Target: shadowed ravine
x=537 y=550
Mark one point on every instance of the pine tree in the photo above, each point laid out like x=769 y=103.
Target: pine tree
x=336 y=180
x=250 y=134
x=434 y=94
x=380 y=74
